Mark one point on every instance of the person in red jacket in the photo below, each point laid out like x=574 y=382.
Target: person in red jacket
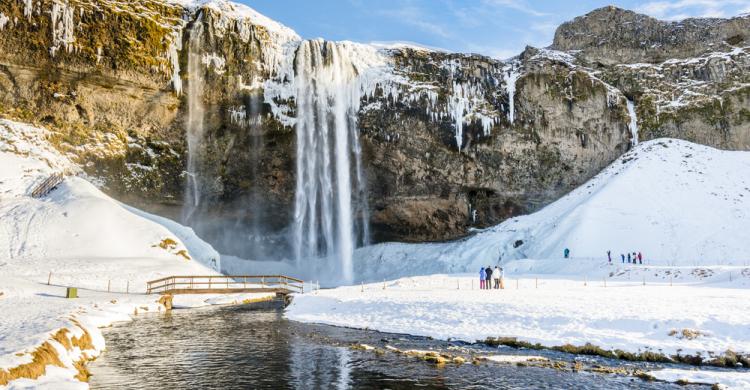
x=640 y=258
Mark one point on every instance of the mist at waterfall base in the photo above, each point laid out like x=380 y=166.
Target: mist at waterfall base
x=330 y=218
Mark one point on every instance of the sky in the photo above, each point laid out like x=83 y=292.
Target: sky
x=497 y=28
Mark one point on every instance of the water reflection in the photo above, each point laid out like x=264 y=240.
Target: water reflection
x=241 y=348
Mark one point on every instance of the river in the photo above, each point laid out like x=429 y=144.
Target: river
x=242 y=347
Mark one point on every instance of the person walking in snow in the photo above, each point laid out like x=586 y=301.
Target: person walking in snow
x=488 y=278
x=566 y=252
x=496 y=276
x=481 y=278
x=623 y=258
x=609 y=256
x=640 y=258
x=628 y=257
x=635 y=257
x=501 y=278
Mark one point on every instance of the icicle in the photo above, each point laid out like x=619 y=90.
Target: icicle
x=62 y=28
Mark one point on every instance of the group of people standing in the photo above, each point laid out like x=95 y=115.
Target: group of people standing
x=635 y=258
x=488 y=275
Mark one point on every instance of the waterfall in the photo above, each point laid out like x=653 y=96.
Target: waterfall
x=194 y=125
x=511 y=88
x=256 y=204
x=325 y=214
x=633 y=125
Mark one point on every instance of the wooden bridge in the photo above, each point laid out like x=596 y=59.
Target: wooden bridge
x=226 y=284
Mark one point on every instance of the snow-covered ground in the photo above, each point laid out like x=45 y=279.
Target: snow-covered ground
x=552 y=310
x=77 y=237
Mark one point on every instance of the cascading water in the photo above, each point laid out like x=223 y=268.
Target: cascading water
x=194 y=124
x=510 y=80
x=633 y=125
x=328 y=98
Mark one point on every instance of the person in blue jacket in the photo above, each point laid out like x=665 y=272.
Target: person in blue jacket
x=481 y=278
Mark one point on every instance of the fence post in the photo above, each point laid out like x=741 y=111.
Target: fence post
x=127 y=288
x=516 y=284
x=209 y=281
x=49 y=277
x=585 y=280
x=458 y=284
x=670 y=280
x=363 y=287
x=244 y=282
x=536 y=282
x=109 y=282
x=263 y=281
x=383 y=284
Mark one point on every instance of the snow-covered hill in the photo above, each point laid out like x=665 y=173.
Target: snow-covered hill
x=678 y=203
x=77 y=225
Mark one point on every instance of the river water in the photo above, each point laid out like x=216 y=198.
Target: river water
x=242 y=347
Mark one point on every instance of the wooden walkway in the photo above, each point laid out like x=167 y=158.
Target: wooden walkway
x=226 y=284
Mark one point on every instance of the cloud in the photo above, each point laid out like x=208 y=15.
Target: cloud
x=415 y=17
x=680 y=9
x=518 y=5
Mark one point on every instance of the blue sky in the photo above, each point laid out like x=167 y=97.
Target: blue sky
x=498 y=28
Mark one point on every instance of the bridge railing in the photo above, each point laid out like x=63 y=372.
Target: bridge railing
x=47 y=185
x=226 y=283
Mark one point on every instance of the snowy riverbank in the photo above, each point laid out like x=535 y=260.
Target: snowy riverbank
x=694 y=316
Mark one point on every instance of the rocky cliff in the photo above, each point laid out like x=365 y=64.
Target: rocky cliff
x=689 y=79
x=151 y=96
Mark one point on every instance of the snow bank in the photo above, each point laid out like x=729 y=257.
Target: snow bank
x=552 y=311
x=679 y=203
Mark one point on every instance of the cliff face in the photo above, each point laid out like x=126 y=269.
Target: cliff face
x=611 y=36
x=448 y=141
x=689 y=79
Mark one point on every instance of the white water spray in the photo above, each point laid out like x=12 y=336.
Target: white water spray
x=633 y=122
x=328 y=97
x=195 y=127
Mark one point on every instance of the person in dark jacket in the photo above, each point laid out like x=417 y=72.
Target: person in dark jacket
x=623 y=258
x=640 y=258
x=488 y=278
x=628 y=257
x=609 y=256
x=566 y=253
x=635 y=258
